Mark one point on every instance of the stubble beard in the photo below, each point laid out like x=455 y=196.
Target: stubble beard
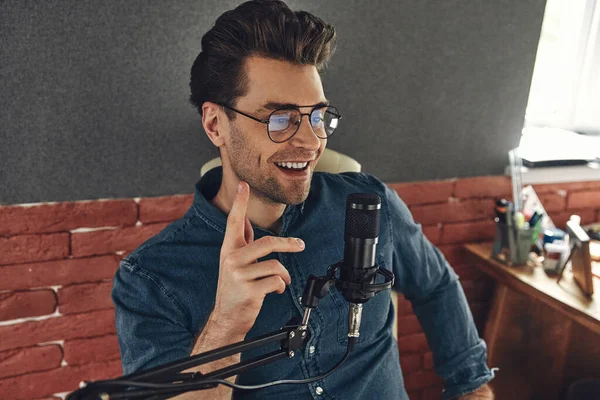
x=266 y=187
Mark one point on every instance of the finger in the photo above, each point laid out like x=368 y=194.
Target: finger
x=270 y=284
x=234 y=231
x=264 y=269
x=249 y=232
x=265 y=246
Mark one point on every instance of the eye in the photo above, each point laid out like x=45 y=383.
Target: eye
x=279 y=122
x=316 y=117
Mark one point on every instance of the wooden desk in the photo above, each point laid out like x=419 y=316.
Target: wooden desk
x=542 y=335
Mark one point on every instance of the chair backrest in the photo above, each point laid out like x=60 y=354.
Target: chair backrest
x=330 y=161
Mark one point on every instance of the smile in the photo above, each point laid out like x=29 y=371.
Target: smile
x=292 y=165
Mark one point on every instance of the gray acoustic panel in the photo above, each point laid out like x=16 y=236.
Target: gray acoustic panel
x=94 y=97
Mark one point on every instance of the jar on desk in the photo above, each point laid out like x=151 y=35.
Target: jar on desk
x=512 y=245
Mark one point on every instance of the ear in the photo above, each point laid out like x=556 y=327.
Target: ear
x=213 y=121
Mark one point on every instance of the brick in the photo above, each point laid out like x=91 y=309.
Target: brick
x=30 y=359
x=29 y=248
x=428 y=361
x=565 y=186
x=113 y=240
x=57 y=328
x=408 y=325
x=432 y=393
x=433 y=233
x=86 y=351
x=421 y=380
x=410 y=363
x=468 y=210
x=466 y=232
x=454 y=254
x=553 y=202
x=168 y=208
x=87 y=297
x=404 y=306
x=57 y=217
x=26 y=304
x=484 y=186
x=560 y=219
x=416 y=343
x=424 y=192
x=58 y=380
x=60 y=272
x=583 y=200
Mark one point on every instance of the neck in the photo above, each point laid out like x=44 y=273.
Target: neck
x=260 y=212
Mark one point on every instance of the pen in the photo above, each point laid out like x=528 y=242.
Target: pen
x=520 y=220
x=535 y=218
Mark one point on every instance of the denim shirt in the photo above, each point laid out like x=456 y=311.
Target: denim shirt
x=165 y=290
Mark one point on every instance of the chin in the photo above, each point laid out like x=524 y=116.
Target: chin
x=296 y=201
x=296 y=196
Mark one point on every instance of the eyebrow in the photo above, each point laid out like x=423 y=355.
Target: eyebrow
x=273 y=105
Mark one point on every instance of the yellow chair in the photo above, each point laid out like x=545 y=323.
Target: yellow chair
x=330 y=161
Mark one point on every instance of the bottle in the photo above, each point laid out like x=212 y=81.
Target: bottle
x=554 y=255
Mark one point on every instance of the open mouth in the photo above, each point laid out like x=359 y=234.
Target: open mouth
x=293 y=168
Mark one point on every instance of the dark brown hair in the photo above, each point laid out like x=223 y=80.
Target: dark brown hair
x=266 y=28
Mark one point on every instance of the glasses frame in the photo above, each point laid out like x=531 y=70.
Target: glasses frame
x=266 y=121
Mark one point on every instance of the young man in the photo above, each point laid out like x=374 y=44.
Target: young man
x=236 y=264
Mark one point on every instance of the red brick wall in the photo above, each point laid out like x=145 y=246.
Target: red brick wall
x=57 y=261
x=56 y=266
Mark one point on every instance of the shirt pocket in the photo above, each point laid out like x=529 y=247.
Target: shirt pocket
x=377 y=315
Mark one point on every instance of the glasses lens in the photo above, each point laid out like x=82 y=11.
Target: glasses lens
x=324 y=121
x=283 y=124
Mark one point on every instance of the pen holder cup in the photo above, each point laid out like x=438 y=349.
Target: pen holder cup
x=523 y=244
x=515 y=244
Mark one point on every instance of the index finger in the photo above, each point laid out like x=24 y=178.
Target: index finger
x=236 y=221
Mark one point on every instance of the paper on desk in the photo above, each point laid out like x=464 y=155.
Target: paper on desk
x=532 y=203
x=539 y=144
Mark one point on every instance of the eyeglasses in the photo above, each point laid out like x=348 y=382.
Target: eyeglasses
x=282 y=124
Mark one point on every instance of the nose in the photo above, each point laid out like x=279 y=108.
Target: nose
x=306 y=137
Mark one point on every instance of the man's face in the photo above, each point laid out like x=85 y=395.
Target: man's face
x=252 y=155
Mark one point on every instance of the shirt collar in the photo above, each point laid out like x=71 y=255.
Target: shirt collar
x=207 y=187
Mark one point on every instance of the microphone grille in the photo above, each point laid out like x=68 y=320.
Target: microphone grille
x=363 y=212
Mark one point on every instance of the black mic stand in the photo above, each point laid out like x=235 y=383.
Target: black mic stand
x=167 y=380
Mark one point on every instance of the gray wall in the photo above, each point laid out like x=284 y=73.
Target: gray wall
x=94 y=93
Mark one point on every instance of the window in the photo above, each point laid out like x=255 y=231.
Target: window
x=565 y=88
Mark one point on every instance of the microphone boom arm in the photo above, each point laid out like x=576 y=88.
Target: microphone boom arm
x=291 y=337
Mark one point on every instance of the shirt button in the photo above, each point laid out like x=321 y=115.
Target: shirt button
x=300 y=299
x=311 y=350
x=319 y=390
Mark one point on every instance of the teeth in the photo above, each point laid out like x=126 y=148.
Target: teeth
x=292 y=165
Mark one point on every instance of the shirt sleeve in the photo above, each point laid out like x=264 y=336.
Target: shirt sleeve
x=426 y=279
x=150 y=324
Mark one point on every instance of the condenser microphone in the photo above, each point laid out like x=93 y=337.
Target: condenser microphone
x=361 y=234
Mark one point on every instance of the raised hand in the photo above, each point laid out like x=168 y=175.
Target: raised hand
x=244 y=282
